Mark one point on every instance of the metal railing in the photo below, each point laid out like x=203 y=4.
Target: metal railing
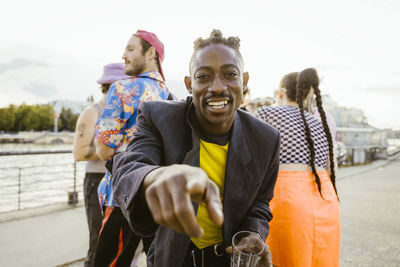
x=39 y=185
x=44 y=184
x=358 y=155
x=361 y=154
x=14 y=153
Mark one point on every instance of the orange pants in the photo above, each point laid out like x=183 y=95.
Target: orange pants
x=305 y=229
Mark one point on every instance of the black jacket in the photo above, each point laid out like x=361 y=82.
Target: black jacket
x=165 y=136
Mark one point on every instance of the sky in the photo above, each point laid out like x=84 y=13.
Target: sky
x=56 y=49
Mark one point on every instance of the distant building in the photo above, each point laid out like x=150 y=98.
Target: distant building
x=345 y=116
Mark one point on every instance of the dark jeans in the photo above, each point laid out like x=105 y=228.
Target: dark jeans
x=93 y=212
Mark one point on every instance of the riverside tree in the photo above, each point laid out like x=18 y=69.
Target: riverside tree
x=35 y=117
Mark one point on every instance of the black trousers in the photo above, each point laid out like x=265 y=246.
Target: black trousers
x=197 y=258
x=93 y=212
x=117 y=242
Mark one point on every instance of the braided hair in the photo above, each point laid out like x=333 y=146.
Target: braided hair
x=306 y=79
x=216 y=37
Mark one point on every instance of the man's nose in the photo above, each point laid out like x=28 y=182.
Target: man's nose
x=124 y=55
x=218 y=85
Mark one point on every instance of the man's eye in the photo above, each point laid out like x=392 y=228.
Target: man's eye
x=202 y=77
x=231 y=75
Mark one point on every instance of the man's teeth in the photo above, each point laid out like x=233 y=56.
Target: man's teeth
x=218 y=104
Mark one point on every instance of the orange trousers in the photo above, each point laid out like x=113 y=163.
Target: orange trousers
x=305 y=229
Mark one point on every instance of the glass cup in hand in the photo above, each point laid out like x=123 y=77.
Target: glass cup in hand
x=247 y=249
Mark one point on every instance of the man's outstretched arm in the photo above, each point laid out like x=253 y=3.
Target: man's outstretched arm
x=169 y=194
x=150 y=194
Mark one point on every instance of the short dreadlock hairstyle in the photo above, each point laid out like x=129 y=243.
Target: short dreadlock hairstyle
x=216 y=37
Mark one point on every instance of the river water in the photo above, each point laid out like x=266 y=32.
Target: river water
x=28 y=181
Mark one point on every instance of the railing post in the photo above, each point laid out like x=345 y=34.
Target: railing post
x=19 y=188
x=74 y=177
x=73 y=196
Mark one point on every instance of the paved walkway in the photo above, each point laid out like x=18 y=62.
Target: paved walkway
x=58 y=235
x=370 y=216
x=50 y=239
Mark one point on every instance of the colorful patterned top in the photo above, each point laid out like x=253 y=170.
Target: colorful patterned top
x=116 y=125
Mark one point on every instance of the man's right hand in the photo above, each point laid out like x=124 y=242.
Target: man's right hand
x=169 y=194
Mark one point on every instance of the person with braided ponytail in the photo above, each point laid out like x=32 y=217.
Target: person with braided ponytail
x=305 y=229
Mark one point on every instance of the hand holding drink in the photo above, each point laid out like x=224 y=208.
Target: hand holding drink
x=249 y=250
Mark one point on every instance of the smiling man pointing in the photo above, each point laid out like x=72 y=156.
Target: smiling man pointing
x=203 y=170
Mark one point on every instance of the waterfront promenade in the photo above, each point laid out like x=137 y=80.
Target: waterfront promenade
x=370 y=215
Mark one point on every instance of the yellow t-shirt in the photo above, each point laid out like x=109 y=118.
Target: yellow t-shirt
x=213 y=162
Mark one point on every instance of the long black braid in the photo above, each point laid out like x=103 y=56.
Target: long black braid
x=306 y=79
x=303 y=87
x=328 y=135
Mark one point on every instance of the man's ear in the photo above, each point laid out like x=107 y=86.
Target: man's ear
x=188 y=83
x=151 y=53
x=245 y=79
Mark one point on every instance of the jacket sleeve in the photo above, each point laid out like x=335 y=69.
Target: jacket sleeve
x=259 y=214
x=130 y=168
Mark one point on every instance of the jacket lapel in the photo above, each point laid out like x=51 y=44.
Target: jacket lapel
x=238 y=180
x=191 y=158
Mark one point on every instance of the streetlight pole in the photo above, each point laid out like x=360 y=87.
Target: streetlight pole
x=55 y=122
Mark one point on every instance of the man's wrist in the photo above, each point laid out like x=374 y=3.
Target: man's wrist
x=150 y=178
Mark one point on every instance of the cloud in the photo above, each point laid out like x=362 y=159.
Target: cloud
x=40 y=88
x=19 y=63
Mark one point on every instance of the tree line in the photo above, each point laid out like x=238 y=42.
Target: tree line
x=35 y=117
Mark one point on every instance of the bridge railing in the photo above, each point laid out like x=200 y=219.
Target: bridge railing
x=39 y=185
x=358 y=155
x=44 y=184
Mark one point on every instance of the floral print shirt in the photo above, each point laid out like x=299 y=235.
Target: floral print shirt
x=117 y=124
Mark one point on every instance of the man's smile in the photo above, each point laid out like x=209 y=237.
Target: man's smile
x=217 y=104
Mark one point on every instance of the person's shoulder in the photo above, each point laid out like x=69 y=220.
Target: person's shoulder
x=164 y=113
x=88 y=115
x=89 y=111
x=125 y=81
x=123 y=84
x=164 y=106
x=258 y=131
x=262 y=111
x=256 y=125
x=272 y=109
x=134 y=83
x=276 y=112
x=135 y=80
x=264 y=108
